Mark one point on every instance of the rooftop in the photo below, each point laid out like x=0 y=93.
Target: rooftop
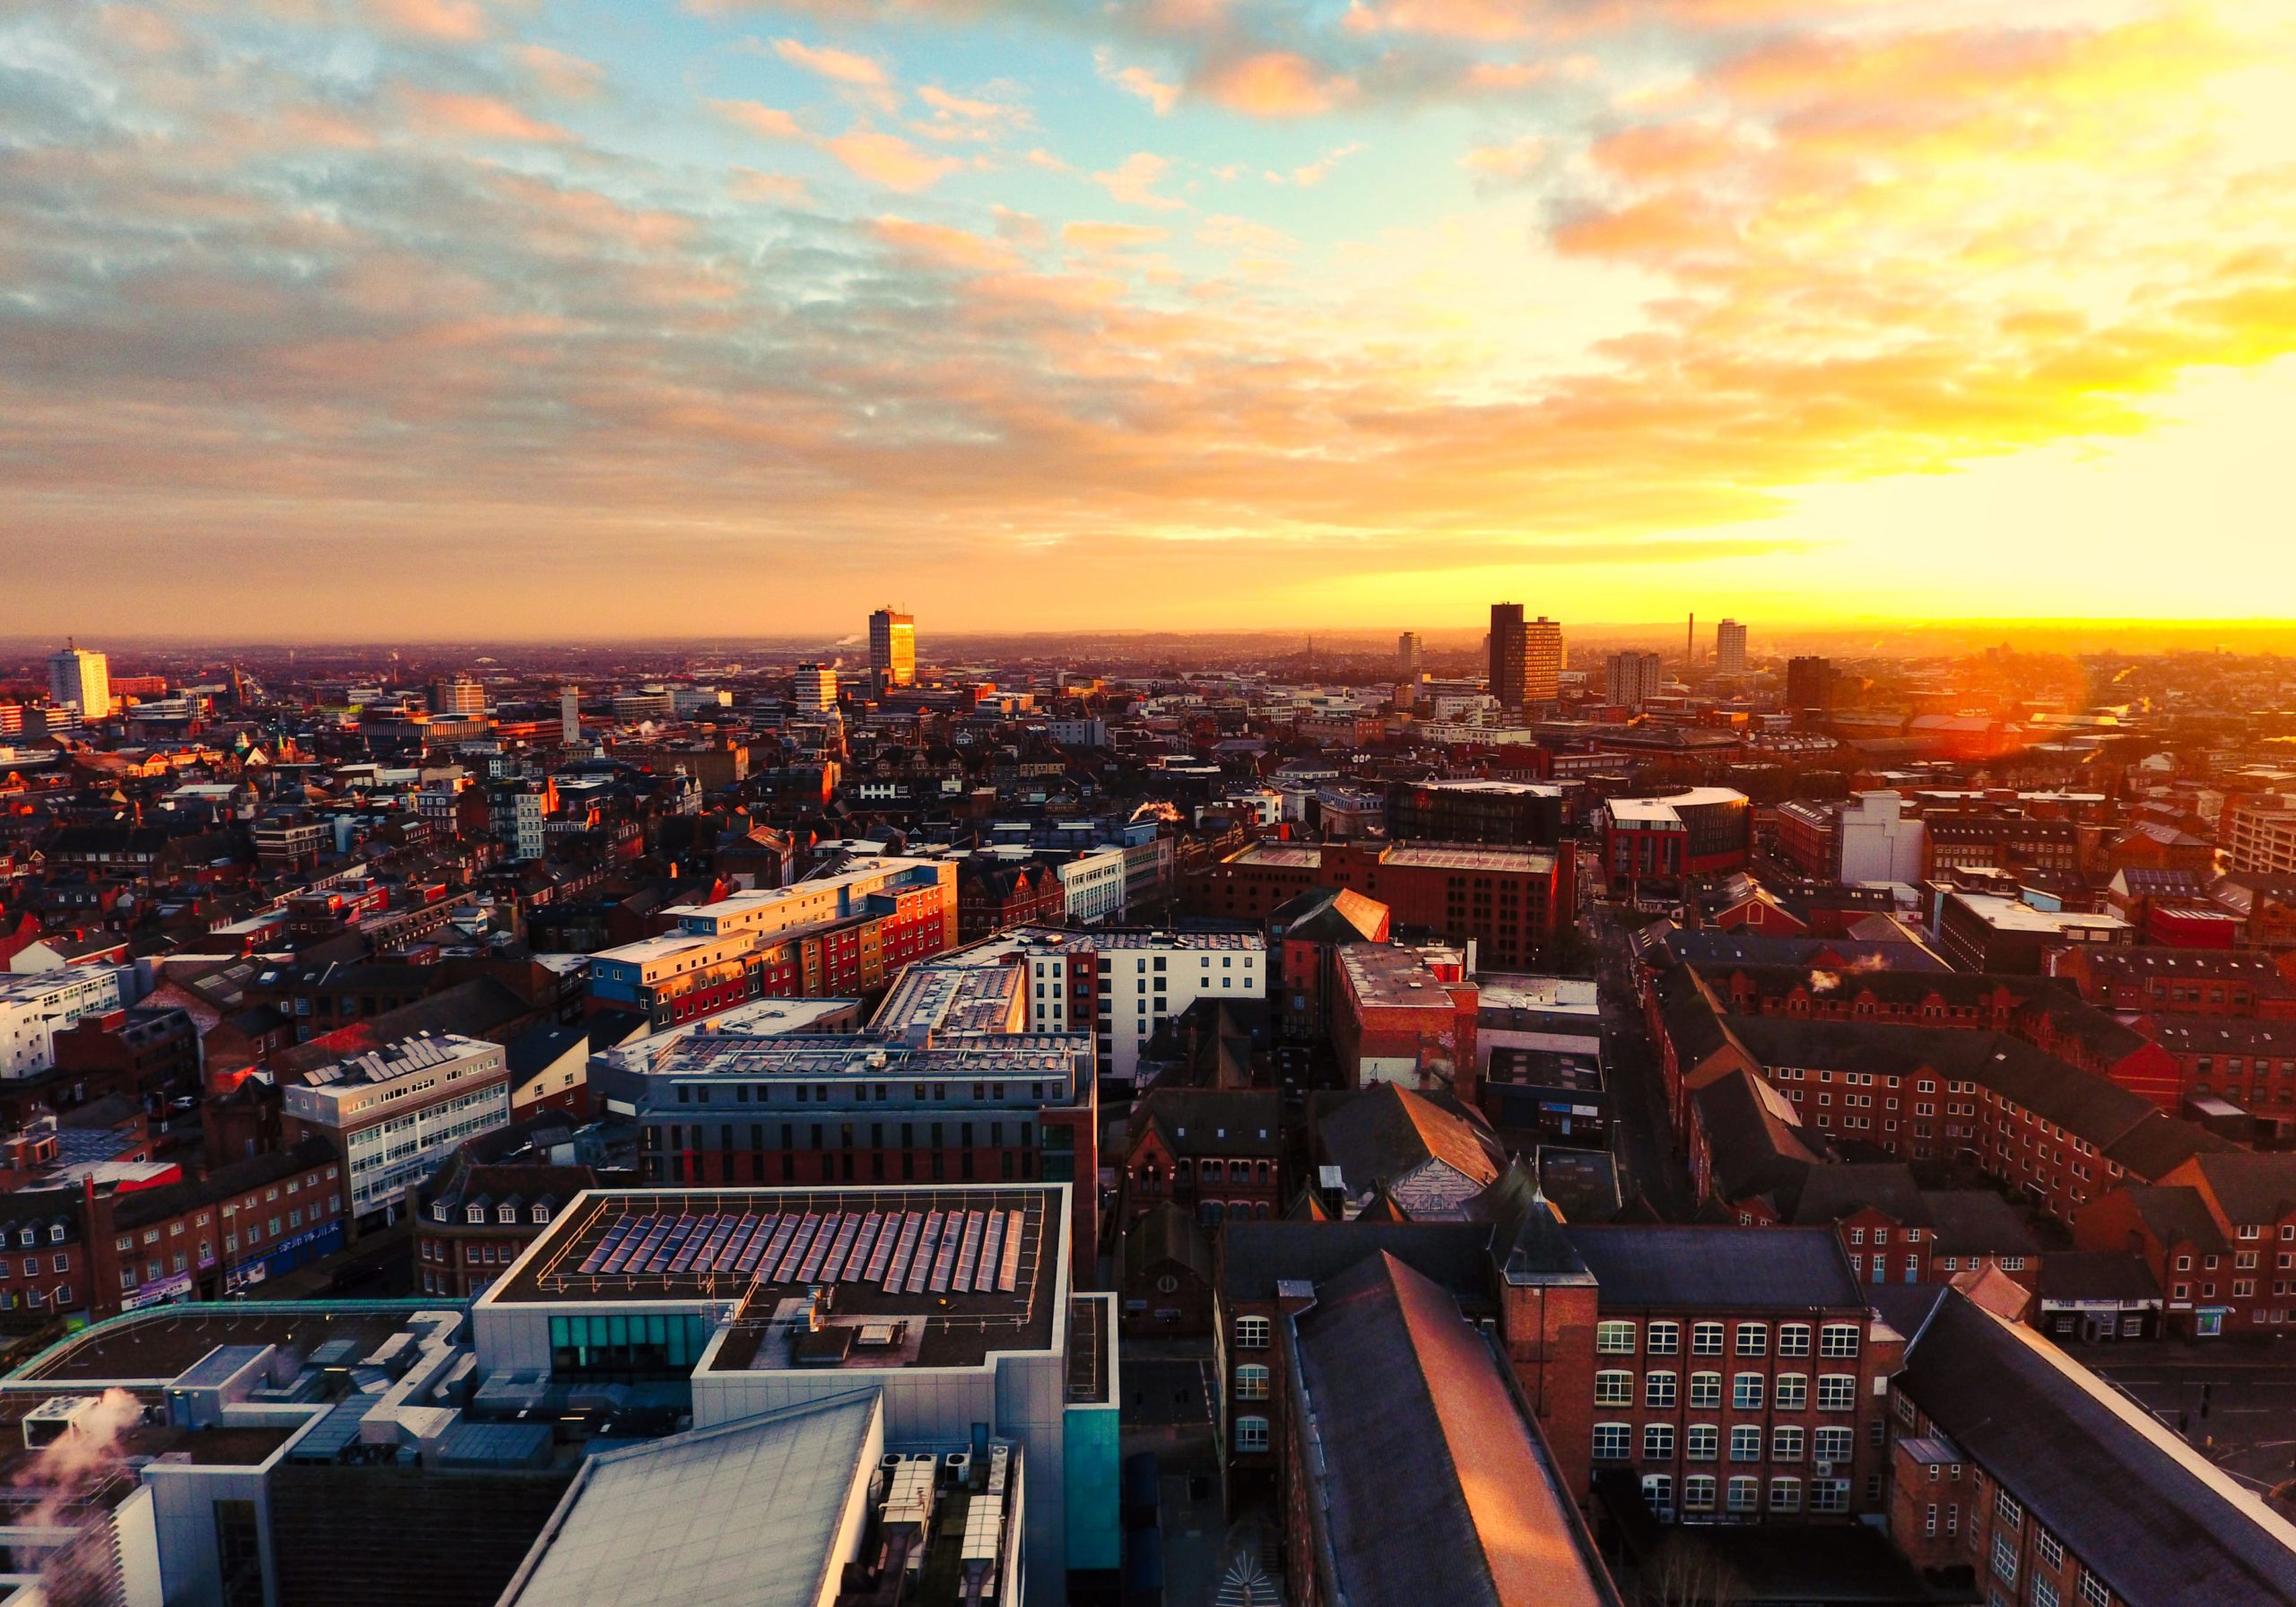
x=401 y=1058
x=153 y=1347
x=2013 y=915
x=1720 y=1269
x=1388 y=975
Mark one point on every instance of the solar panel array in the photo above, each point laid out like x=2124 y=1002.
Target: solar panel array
x=905 y=1252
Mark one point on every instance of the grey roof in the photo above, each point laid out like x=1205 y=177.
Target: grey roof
x=2175 y=1213
x=2156 y=1521
x=1255 y=1255
x=1390 y=1380
x=1718 y=1268
x=1976 y=1221
x=2251 y=1188
x=1709 y=947
x=1754 y=1146
x=1387 y=1133
x=742 y=1515
x=1830 y=1193
x=2095 y=1276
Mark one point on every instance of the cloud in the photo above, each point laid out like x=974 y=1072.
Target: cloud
x=569 y=78
x=1137 y=81
x=1516 y=159
x=838 y=66
x=767 y=122
x=889 y=159
x=940 y=247
x=777 y=189
x=957 y=106
x=1312 y=174
x=1273 y=83
x=444 y=21
x=1046 y=159
x=479 y=116
x=1133 y=181
x=1110 y=237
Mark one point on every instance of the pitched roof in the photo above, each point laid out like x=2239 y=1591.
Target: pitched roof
x=1716 y=1267
x=1830 y=1193
x=1254 y=1256
x=1210 y=1121
x=1390 y=1377
x=1976 y=1221
x=2250 y=1187
x=1168 y=1232
x=2175 y=1214
x=1755 y=1144
x=1387 y=1133
x=2134 y=1504
x=2095 y=1276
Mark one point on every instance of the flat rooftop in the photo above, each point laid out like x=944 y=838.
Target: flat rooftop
x=1391 y=978
x=1505 y=991
x=155 y=1347
x=1023 y=1056
x=921 y=1276
x=1299 y=856
x=2011 y=915
x=667 y=946
x=1467 y=857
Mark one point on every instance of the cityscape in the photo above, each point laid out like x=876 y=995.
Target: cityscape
x=1152 y=804
x=889 y=1121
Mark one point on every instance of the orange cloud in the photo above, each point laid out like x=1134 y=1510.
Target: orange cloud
x=448 y=22
x=1140 y=82
x=480 y=116
x=940 y=247
x=1515 y=159
x=1274 y=83
x=839 y=66
x=768 y=122
x=568 y=76
x=1133 y=181
x=889 y=159
x=777 y=189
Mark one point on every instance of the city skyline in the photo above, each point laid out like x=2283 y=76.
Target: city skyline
x=1785 y=308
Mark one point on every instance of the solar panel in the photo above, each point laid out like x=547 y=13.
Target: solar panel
x=785 y=1268
x=968 y=1253
x=632 y=1243
x=865 y=1245
x=810 y=1267
x=701 y=1255
x=753 y=1251
x=849 y=1247
x=1008 y=1275
x=944 y=1259
x=928 y=1243
x=904 y=1242
x=729 y=1253
x=654 y=1234
x=782 y=1235
x=992 y=1253
x=697 y=1240
x=887 y=1243
x=607 y=1243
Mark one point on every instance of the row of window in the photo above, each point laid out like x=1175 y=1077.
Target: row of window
x=1617 y=1337
x=1702 y=1442
x=1744 y=1493
x=1837 y=1392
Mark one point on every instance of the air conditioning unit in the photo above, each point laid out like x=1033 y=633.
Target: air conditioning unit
x=1825 y=1470
x=956 y=1468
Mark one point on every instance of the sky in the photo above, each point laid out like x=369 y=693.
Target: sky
x=411 y=319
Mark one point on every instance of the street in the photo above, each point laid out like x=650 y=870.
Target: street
x=2237 y=1411
x=1645 y=1133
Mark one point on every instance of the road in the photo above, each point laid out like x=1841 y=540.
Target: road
x=1644 y=1137
x=2235 y=1411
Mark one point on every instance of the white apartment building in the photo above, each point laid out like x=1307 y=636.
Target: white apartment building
x=1137 y=978
x=81 y=679
x=1635 y=678
x=396 y=1112
x=1092 y=886
x=1878 y=843
x=37 y=1005
x=816 y=689
x=1729 y=648
x=2260 y=834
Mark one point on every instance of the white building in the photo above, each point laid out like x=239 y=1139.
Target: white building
x=1878 y=842
x=35 y=1006
x=1729 y=648
x=81 y=679
x=1138 y=978
x=396 y=1112
x=1092 y=886
x=815 y=689
x=1079 y=733
x=1635 y=678
x=569 y=714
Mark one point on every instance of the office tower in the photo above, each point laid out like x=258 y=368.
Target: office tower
x=816 y=688
x=461 y=696
x=1408 y=656
x=1809 y=684
x=892 y=650
x=1635 y=679
x=1507 y=667
x=1729 y=648
x=1542 y=660
x=1689 y=644
x=569 y=714
x=81 y=679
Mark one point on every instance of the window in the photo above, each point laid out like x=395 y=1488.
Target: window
x=1706 y=1338
x=2005 y=1508
x=1786 y=1442
x=1658 y=1491
x=1838 y=1339
x=2094 y=1592
x=1745 y=1493
x=1793 y=1339
x=1611 y=1441
x=1698 y=1493
x=2052 y=1550
x=1251 y=1382
x=1829 y=1495
x=1793 y=1391
x=2044 y=1592
x=1701 y=1442
x=1745 y=1443
x=1251 y=1433
x=1746 y=1392
x=1837 y=1392
x=1614 y=1389
x=1832 y=1445
x=1251 y=1332
x=1658 y=1389
x=1663 y=1339
x=1753 y=1339
x=1786 y=1495
x=1614 y=1339
x=1657 y=1442
x=2004 y=1559
x=1706 y=1389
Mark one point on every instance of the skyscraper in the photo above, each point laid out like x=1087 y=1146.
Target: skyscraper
x=816 y=688
x=569 y=714
x=1729 y=648
x=459 y=695
x=1408 y=656
x=1635 y=679
x=81 y=678
x=1526 y=657
x=892 y=650
x=1809 y=685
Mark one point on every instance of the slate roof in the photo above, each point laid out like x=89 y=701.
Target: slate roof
x=1830 y=1193
x=2158 y=1146
x=1718 y=1268
x=2158 y=1523
x=2095 y=1276
x=1254 y=1256
x=1387 y=1132
x=1222 y=1122
x=1168 y=1232
x=1388 y=1377
x=1976 y=1221
x=1754 y=1146
x=2251 y=1188
x=2176 y=1214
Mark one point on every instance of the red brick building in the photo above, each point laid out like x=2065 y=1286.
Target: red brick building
x=1215 y=1152
x=1405 y=1016
x=2238 y=982
x=2219 y=1234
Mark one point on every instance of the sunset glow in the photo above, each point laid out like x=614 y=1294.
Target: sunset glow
x=1029 y=311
